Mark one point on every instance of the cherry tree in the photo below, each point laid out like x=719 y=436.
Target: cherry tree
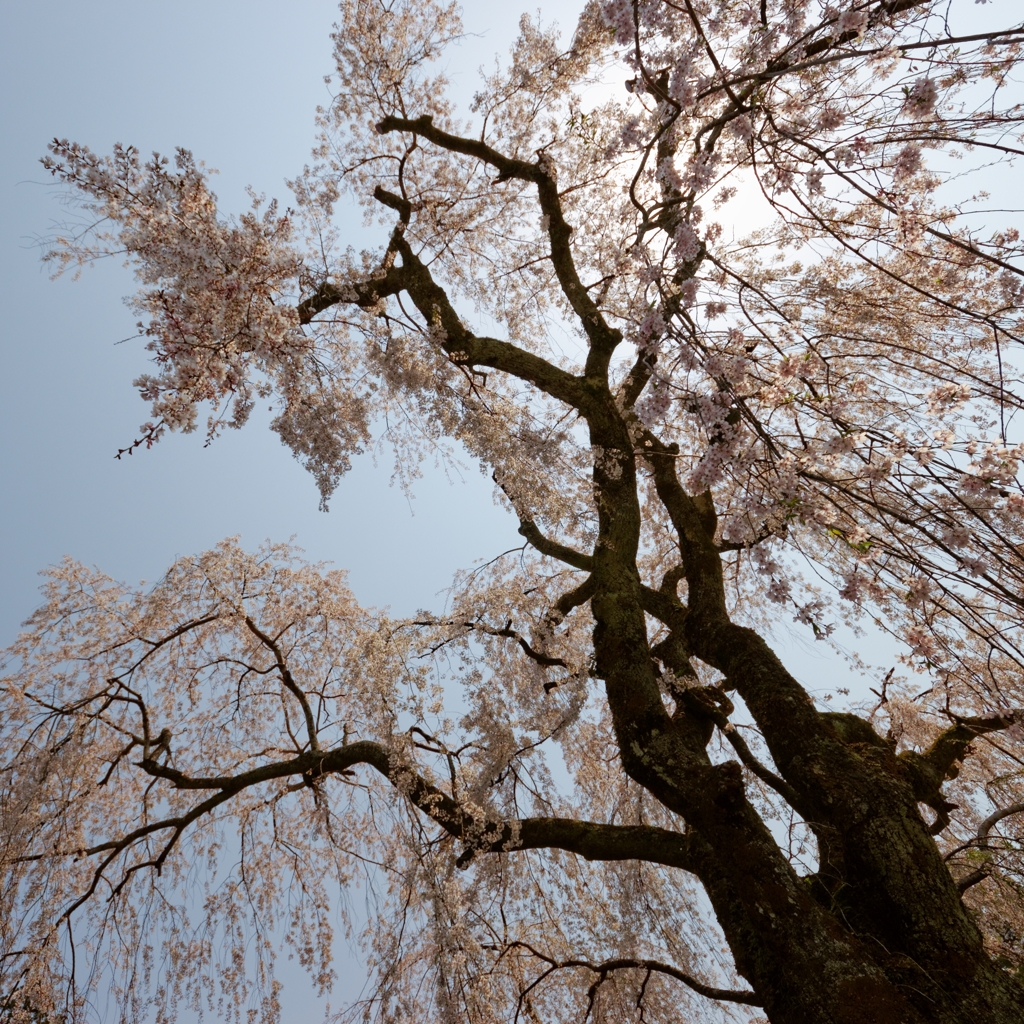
x=586 y=786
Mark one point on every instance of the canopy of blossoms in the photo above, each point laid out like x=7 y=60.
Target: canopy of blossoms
x=703 y=429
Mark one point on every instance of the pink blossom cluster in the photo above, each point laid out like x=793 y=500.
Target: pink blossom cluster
x=852 y=21
x=779 y=589
x=209 y=286
x=618 y=15
x=700 y=171
x=922 y=97
x=951 y=395
x=995 y=468
x=651 y=330
x=858 y=587
x=809 y=614
x=729 y=366
x=655 y=403
x=687 y=241
x=907 y=162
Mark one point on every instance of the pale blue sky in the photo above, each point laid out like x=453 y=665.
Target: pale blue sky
x=237 y=83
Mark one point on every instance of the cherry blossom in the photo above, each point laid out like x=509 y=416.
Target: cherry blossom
x=585 y=786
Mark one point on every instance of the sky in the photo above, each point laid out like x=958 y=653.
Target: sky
x=238 y=84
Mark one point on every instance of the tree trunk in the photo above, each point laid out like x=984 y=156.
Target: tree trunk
x=880 y=934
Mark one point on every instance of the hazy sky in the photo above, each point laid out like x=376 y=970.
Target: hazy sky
x=237 y=83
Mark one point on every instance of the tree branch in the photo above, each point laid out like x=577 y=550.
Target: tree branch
x=603 y=338
x=709 y=991
x=507 y=167
x=288 y=680
x=951 y=745
x=365 y=294
x=630 y=963
x=462 y=346
x=997 y=816
x=506 y=631
x=981 y=873
x=590 y=840
x=554 y=549
x=574 y=598
x=768 y=777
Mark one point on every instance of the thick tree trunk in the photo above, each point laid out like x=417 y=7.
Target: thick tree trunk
x=882 y=875
x=880 y=934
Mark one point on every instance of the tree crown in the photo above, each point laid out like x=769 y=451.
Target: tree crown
x=702 y=430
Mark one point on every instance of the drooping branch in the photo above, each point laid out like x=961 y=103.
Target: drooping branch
x=286 y=677
x=607 y=967
x=590 y=840
x=507 y=167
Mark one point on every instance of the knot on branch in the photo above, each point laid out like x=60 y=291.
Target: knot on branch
x=727 y=791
